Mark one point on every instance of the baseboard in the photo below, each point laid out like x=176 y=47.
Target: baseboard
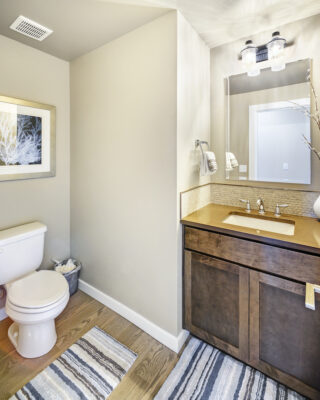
x=3 y=313
x=173 y=342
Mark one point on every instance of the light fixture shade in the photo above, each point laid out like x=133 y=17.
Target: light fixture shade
x=249 y=59
x=276 y=52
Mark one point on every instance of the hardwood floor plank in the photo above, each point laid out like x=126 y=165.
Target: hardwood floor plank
x=142 y=381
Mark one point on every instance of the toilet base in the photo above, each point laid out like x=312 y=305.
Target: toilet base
x=34 y=340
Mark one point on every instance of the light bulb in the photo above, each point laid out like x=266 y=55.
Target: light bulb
x=276 y=52
x=249 y=59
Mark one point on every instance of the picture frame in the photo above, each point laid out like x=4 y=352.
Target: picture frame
x=27 y=139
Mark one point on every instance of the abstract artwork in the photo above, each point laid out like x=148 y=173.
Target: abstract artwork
x=26 y=139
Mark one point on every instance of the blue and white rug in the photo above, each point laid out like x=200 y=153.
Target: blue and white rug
x=90 y=369
x=205 y=373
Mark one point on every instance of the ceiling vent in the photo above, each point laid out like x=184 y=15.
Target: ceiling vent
x=30 y=28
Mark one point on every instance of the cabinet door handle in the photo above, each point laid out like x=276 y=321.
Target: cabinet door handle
x=310 y=297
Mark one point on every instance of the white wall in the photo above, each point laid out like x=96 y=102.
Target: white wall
x=280 y=154
x=33 y=75
x=239 y=118
x=123 y=170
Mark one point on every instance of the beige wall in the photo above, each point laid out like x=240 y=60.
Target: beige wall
x=138 y=104
x=193 y=103
x=224 y=62
x=124 y=170
x=193 y=119
x=33 y=75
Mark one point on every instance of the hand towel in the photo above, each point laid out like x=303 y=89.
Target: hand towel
x=208 y=164
x=231 y=161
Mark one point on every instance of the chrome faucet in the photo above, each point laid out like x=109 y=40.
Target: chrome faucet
x=248 y=207
x=261 y=206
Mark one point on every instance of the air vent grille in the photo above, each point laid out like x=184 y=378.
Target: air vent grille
x=30 y=28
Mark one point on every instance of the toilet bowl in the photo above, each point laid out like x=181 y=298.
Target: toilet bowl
x=33 y=302
x=34 y=299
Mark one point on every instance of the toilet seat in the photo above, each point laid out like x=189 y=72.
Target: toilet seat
x=34 y=310
x=37 y=292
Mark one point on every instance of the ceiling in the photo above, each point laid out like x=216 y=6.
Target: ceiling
x=82 y=25
x=222 y=21
x=79 y=26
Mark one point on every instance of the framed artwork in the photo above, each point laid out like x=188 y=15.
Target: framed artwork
x=27 y=139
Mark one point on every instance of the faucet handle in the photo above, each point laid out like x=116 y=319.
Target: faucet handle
x=277 y=212
x=248 y=207
x=260 y=204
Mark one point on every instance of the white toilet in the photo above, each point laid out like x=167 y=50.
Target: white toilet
x=34 y=299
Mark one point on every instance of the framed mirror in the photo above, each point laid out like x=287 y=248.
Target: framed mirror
x=268 y=125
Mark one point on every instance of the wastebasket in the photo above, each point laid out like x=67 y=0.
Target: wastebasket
x=72 y=277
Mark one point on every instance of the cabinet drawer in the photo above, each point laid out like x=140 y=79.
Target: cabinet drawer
x=291 y=264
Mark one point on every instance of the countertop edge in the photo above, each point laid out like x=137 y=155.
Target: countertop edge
x=253 y=237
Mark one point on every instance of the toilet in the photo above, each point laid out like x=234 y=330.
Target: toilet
x=34 y=299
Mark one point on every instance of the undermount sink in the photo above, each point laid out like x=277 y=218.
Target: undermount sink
x=263 y=223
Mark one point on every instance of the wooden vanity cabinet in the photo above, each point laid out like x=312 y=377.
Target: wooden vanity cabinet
x=284 y=334
x=216 y=302
x=253 y=313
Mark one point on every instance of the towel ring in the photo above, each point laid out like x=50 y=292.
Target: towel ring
x=200 y=143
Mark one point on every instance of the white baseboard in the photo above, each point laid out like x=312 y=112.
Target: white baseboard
x=173 y=342
x=3 y=313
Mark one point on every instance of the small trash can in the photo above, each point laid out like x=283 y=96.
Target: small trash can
x=72 y=277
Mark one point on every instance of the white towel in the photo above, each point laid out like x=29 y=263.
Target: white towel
x=231 y=161
x=208 y=163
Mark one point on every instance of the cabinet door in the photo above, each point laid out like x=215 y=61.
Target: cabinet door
x=284 y=335
x=216 y=302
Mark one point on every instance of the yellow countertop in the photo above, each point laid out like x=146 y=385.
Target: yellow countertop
x=306 y=236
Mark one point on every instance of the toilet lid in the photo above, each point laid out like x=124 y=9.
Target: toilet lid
x=38 y=289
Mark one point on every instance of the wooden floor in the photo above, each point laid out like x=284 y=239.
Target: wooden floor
x=143 y=380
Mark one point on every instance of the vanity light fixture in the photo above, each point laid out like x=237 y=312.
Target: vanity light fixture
x=276 y=52
x=249 y=58
x=251 y=54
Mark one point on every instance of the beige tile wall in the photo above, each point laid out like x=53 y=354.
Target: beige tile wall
x=194 y=199
x=299 y=202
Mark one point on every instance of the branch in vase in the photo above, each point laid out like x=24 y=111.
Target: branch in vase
x=313 y=149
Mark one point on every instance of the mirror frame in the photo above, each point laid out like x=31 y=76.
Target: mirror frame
x=314 y=186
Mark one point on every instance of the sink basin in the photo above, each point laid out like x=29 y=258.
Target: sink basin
x=257 y=222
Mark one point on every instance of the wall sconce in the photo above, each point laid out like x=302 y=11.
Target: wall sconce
x=276 y=52
x=251 y=55
x=249 y=58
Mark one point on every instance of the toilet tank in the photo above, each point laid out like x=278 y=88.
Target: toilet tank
x=21 y=250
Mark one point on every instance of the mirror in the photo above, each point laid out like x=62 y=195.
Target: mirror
x=267 y=125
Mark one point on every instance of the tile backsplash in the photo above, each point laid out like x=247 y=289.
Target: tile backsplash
x=194 y=199
x=299 y=202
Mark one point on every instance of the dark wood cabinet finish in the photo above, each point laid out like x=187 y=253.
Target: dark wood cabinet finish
x=291 y=264
x=216 y=302
x=284 y=335
x=258 y=317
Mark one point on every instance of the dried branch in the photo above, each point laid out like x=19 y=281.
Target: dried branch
x=313 y=149
x=315 y=117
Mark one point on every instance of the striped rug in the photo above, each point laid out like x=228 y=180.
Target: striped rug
x=205 y=373
x=90 y=369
